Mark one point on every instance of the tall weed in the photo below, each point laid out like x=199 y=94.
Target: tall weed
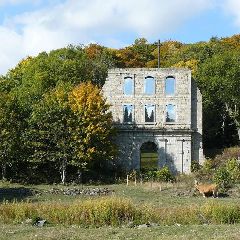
x=113 y=211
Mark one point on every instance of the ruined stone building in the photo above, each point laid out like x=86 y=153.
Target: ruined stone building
x=156 y=111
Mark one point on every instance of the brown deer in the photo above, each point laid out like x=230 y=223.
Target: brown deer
x=207 y=189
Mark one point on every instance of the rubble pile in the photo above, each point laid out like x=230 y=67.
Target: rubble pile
x=85 y=191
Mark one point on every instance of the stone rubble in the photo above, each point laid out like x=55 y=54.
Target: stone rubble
x=80 y=191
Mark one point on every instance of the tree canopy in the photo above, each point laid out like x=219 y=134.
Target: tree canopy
x=44 y=116
x=52 y=111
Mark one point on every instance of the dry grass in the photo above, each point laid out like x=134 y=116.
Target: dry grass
x=97 y=212
x=113 y=211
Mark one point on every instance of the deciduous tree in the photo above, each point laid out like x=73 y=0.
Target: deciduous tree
x=10 y=131
x=219 y=79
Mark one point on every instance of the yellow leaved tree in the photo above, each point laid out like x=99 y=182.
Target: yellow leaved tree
x=94 y=129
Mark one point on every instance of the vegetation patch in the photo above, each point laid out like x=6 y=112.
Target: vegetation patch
x=113 y=211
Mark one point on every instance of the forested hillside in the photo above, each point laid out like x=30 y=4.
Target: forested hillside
x=60 y=90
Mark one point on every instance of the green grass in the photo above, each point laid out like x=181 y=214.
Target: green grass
x=172 y=196
x=180 y=232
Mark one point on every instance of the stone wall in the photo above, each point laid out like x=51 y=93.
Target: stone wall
x=174 y=149
x=178 y=142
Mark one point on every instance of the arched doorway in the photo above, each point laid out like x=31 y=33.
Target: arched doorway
x=148 y=156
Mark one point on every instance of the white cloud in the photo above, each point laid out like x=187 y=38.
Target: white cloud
x=233 y=7
x=10 y=49
x=84 y=21
x=17 y=2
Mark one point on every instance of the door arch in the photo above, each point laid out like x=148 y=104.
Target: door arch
x=148 y=156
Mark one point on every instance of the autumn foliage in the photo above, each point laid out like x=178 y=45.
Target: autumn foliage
x=94 y=124
x=55 y=122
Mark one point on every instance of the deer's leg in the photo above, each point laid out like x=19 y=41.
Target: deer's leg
x=213 y=194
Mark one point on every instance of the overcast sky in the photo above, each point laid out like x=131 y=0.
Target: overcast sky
x=28 y=27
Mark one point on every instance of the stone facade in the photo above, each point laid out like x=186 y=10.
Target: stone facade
x=179 y=140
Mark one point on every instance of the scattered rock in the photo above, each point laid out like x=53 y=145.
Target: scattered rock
x=78 y=191
x=40 y=223
x=146 y=225
x=143 y=226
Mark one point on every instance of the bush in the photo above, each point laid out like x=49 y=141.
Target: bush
x=150 y=175
x=228 y=153
x=222 y=178
x=195 y=166
x=228 y=174
x=208 y=164
x=217 y=213
x=133 y=175
x=161 y=175
x=233 y=167
x=205 y=172
x=224 y=169
x=164 y=175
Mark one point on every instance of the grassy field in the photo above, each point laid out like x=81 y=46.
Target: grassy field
x=156 y=194
x=23 y=232
x=180 y=194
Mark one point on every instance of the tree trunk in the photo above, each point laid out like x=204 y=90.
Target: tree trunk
x=238 y=135
x=63 y=172
x=79 y=178
x=4 y=166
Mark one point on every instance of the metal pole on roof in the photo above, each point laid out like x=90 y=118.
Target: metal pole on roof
x=158 y=53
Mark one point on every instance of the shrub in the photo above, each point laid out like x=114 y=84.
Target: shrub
x=133 y=175
x=164 y=175
x=208 y=164
x=205 y=173
x=195 y=166
x=222 y=177
x=224 y=169
x=228 y=174
x=233 y=167
x=150 y=175
x=228 y=153
x=221 y=213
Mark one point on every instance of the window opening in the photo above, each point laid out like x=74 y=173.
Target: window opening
x=170 y=86
x=149 y=85
x=128 y=86
x=127 y=113
x=149 y=113
x=170 y=113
